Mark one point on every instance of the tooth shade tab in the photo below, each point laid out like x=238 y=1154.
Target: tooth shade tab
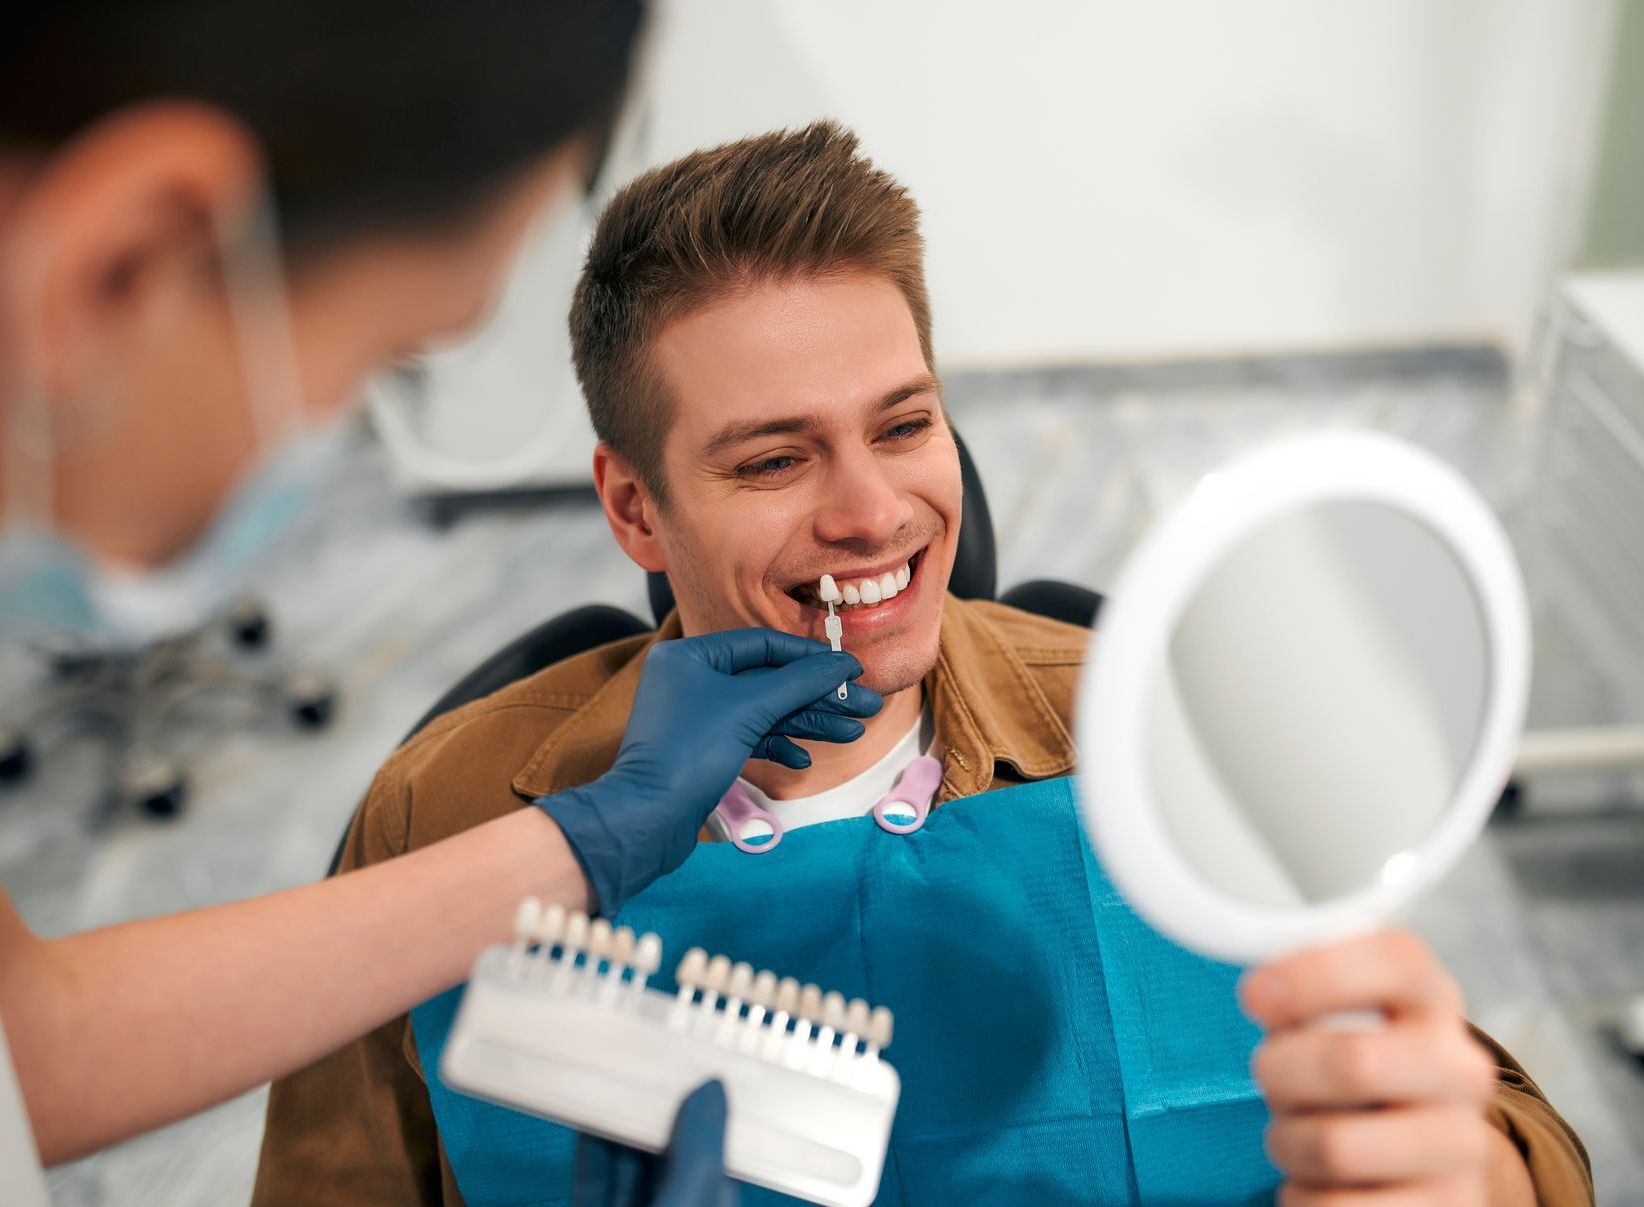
x=648 y=954
x=880 y=1027
x=719 y=971
x=693 y=968
x=528 y=919
x=828 y=590
x=787 y=995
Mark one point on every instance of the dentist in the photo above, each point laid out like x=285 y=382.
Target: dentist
x=215 y=220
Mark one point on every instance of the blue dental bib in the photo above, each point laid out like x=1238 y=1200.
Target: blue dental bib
x=1052 y=1047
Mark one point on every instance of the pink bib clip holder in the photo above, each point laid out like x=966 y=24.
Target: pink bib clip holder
x=736 y=809
x=915 y=790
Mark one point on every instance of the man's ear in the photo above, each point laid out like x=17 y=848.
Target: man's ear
x=111 y=232
x=629 y=507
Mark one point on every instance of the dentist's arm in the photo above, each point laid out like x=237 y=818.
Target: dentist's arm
x=120 y=1030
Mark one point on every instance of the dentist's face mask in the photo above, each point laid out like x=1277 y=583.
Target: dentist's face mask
x=48 y=585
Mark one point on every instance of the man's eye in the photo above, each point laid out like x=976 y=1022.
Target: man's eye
x=770 y=467
x=908 y=428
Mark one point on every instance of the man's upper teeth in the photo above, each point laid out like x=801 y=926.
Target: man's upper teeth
x=867 y=591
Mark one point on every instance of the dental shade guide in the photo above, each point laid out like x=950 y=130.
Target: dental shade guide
x=833 y=626
x=560 y=1022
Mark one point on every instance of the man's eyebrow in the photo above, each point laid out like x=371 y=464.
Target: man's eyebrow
x=733 y=434
x=919 y=385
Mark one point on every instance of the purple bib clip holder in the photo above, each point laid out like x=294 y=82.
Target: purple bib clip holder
x=915 y=791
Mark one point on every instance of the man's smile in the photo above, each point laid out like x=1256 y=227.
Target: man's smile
x=877 y=597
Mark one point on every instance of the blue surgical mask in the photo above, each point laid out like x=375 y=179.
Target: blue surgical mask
x=44 y=585
x=47 y=584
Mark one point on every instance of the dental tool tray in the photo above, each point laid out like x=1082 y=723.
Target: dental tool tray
x=561 y=1025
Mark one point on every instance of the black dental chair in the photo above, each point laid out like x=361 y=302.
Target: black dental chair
x=975 y=569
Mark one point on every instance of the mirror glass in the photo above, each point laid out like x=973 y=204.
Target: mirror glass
x=1316 y=703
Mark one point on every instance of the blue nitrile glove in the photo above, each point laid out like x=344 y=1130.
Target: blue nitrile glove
x=691 y=1175
x=704 y=707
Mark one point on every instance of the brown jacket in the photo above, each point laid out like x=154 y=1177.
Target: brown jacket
x=358 y=1128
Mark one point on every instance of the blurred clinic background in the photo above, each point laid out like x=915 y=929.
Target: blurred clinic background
x=1158 y=232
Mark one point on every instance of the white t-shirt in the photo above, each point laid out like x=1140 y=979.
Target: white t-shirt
x=21 y=1182
x=853 y=798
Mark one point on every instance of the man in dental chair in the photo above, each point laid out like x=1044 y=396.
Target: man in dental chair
x=753 y=337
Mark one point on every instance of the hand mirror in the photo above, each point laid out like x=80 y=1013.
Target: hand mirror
x=1304 y=696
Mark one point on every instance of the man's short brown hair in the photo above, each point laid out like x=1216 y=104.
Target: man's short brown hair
x=793 y=203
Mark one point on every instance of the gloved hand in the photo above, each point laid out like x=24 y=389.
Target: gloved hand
x=704 y=707
x=691 y=1175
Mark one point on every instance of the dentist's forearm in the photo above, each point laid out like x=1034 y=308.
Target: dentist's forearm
x=121 y=1030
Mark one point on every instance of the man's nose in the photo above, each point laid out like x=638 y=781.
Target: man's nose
x=863 y=505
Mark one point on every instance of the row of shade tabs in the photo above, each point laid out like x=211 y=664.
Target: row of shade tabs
x=757 y=1013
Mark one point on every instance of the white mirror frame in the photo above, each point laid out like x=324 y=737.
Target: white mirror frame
x=1132 y=640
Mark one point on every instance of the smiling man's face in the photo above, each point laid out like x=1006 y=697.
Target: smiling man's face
x=806 y=438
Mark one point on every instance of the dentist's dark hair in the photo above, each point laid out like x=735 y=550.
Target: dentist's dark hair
x=374 y=115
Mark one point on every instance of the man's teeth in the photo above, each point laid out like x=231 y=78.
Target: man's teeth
x=866 y=591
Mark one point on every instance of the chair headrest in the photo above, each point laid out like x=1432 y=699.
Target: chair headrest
x=975 y=561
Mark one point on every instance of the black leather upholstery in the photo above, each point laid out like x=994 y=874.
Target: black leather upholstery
x=1050 y=597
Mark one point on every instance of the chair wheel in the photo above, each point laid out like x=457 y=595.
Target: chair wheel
x=164 y=806
x=314 y=714
x=156 y=785
x=16 y=758
x=74 y=664
x=249 y=625
x=312 y=700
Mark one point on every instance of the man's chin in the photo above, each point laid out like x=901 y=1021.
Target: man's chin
x=888 y=676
